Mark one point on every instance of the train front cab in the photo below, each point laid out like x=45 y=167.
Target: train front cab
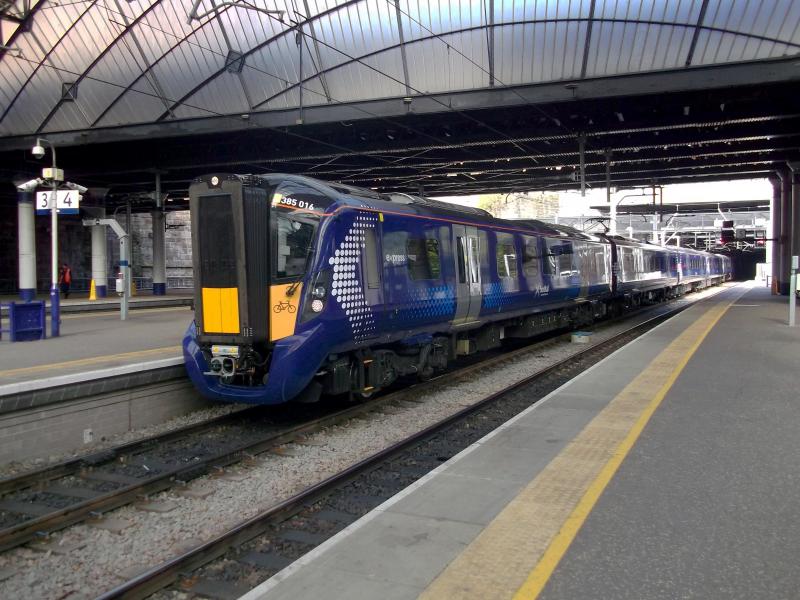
x=252 y=240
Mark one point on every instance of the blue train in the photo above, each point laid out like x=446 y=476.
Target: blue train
x=306 y=288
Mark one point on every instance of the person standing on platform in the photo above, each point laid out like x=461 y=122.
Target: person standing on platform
x=65 y=279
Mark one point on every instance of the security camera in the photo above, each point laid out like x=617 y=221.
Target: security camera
x=29 y=186
x=38 y=151
x=74 y=186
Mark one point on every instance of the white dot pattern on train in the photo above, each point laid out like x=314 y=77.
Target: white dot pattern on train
x=348 y=287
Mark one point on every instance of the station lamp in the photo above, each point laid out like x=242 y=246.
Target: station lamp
x=53 y=175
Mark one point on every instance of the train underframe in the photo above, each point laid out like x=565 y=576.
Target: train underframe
x=361 y=373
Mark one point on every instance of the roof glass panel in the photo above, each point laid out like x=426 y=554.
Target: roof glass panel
x=148 y=50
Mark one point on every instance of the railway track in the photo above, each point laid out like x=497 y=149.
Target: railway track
x=259 y=547
x=38 y=503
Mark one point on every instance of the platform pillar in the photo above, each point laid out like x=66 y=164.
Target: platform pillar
x=27 y=245
x=99 y=258
x=159 y=255
x=794 y=181
x=773 y=245
x=785 y=238
x=159 y=244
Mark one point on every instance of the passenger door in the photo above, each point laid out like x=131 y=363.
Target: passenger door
x=466 y=254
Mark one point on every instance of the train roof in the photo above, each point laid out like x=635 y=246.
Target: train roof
x=350 y=194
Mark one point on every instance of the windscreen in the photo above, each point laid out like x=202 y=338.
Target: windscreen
x=295 y=238
x=297 y=209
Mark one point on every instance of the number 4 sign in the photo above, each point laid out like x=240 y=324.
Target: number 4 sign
x=67 y=202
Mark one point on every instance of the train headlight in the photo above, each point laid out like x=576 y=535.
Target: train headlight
x=317 y=305
x=319 y=292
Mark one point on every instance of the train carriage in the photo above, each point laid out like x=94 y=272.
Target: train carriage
x=305 y=288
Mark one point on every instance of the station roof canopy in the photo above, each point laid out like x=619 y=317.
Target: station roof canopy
x=456 y=97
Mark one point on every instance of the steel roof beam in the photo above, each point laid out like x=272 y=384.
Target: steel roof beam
x=588 y=42
x=399 y=17
x=700 y=18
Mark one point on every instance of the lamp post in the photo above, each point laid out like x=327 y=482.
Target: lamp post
x=54 y=175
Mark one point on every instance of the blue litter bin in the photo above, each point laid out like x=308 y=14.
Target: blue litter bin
x=26 y=322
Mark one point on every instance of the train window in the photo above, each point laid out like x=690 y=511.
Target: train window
x=423 y=258
x=477 y=255
x=371 y=259
x=506 y=256
x=560 y=255
x=530 y=258
x=434 y=262
x=462 y=261
x=600 y=264
x=583 y=266
x=628 y=264
x=295 y=239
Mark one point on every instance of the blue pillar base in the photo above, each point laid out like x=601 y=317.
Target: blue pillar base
x=101 y=291
x=27 y=295
x=159 y=289
x=55 y=313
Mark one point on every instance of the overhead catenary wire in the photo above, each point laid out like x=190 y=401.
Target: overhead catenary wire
x=420 y=93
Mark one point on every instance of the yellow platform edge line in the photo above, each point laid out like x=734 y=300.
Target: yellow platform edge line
x=90 y=360
x=115 y=312
x=541 y=573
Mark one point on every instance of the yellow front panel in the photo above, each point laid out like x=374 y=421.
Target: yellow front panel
x=221 y=310
x=283 y=310
x=230 y=310
x=212 y=313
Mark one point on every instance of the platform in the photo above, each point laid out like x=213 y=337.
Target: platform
x=100 y=377
x=95 y=340
x=668 y=470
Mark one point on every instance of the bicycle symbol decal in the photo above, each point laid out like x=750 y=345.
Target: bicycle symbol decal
x=284 y=305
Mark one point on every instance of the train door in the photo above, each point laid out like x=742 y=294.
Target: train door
x=372 y=276
x=466 y=254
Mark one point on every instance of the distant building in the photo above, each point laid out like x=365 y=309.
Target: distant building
x=530 y=205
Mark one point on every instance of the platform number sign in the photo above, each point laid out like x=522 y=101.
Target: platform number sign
x=67 y=202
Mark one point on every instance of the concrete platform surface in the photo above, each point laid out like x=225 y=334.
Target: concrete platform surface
x=666 y=471
x=94 y=341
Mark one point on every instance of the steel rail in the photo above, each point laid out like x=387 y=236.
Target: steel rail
x=42 y=475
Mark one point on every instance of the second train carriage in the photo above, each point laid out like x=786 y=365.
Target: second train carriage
x=304 y=287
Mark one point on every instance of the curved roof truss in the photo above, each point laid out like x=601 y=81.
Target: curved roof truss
x=89 y=64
